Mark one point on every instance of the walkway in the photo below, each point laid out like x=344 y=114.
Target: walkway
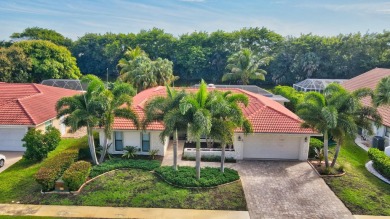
x=114 y=212
x=280 y=189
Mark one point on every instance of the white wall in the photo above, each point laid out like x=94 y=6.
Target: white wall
x=133 y=138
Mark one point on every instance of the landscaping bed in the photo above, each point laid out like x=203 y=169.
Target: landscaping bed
x=18 y=183
x=141 y=188
x=324 y=171
x=186 y=176
x=362 y=192
x=118 y=163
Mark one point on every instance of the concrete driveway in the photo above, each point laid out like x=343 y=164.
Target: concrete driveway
x=12 y=157
x=281 y=189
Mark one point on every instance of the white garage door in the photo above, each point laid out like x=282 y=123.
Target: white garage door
x=11 y=139
x=271 y=147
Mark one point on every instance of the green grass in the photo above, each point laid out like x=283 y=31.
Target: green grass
x=361 y=192
x=17 y=182
x=140 y=188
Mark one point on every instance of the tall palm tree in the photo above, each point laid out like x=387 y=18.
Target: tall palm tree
x=382 y=92
x=244 y=65
x=117 y=103
x=195 y=108
x=166 y=109
x=226 y=117
x=338 y=113
x=84 y=110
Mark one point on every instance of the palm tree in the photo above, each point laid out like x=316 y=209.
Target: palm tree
x=195 y=108
x=244 y=65
x=382 y=92
x=121 y=94
x=226 y=117
x=166 y=109
x=84 y=110
x=336 y=112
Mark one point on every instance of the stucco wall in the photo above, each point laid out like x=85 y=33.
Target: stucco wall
x=56 y=123
x=133 y=138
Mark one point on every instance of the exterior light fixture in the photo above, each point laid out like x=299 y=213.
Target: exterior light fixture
x=239 y=138
x=305 y=139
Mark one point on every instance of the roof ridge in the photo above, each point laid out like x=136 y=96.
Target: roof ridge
x=24 y=109
x=269 y=106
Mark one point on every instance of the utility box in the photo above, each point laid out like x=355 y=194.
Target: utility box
x=378 y=142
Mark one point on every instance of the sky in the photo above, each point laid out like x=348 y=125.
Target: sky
x=74 y=18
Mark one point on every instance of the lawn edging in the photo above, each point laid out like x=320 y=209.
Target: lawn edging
x=323 y=176
x=370 y=167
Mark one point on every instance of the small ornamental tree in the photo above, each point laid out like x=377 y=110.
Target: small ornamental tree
x=39 y=144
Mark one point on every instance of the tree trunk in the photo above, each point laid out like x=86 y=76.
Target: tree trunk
x=336 y=154
x=175 y=145
x=223 y=157
x=104 y=149
x=326 y=142
x=198 y=158
x=91 y=143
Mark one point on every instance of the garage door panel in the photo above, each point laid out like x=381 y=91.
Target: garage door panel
x=11 y=139
x=271 y=147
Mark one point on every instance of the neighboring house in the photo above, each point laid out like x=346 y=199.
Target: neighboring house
x=277 y=131
x=315 y=84
x=369 y=80
x=251 y=88
x=24 y=106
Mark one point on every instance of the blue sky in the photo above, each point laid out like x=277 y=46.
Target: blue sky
x=288 y=17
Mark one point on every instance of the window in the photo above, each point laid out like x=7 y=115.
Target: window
x=118 y=141
x=48 y=124
x=145 y=138
x=387 y=132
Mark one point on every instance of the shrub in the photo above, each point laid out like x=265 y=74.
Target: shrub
x=53 y=168
x=153 y=153
x=76 y=175
x=314 y=143
x=381 y=161
x=117 y=163
x=131 y=151
x=186 y=176
x=212 y=158
x=39 y=144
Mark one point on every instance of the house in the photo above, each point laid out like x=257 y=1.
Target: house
x=251 y=88
x=277 y=131
x=370 y=80
x=24 y=106
x=315 y=84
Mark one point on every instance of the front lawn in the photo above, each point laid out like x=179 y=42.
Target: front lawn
x=140 y=188
x=361 y=192
x=17 y=182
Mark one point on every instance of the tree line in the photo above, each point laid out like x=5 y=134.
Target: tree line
x=202 y=55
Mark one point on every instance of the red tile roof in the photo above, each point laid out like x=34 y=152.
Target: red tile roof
x=369 y=80
x=266 y=115
x=29 y=104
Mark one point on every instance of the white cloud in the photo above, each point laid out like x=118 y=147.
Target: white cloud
x=369 y=8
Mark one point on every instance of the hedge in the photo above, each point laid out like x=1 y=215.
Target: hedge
x=118 y=163
x=186 y=176
x=212 y=158
x=53 y=168
x=76 y=175
x=381 y=161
